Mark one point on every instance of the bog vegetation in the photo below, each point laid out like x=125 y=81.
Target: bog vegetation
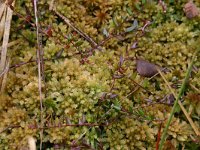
x=100 y=74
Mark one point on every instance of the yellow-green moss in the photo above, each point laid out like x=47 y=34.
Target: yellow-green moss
x=73 y=90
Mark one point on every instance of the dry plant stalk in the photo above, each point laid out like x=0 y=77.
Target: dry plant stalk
x=40 y=69
x=31 y=143
x=10 y=44
x=4 y=76
x=2 y=18
x=194 y=88
x=6 y=17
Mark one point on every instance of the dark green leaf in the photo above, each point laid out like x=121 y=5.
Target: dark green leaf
x=50 y=103
x=157 y=85
x=146 y=83
x=117 y=107
x=141 y=112
x=130 y=109
x=115 y=22
x=137 y=6
x=129 y=11
x=79 y=43
x=143 y=1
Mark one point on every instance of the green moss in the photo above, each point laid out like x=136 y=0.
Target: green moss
x=74 y=92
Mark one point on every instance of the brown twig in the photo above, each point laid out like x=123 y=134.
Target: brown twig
x=68 y=22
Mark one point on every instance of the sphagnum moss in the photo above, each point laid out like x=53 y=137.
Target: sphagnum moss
x=75 y=89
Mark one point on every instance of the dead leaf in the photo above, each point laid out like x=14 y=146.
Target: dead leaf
x=115 y=76
x=121 y=61
x=145 y=68
x=168 y=99
x=191 y=10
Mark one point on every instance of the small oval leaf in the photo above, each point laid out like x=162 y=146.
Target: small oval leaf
x=145 y=68
x=115 y=76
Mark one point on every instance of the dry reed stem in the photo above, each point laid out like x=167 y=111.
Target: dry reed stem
x=4 y=76
x=40 y=69
x=6 y=69
x=6 y=37
x=6 y=32
x=194 y=88
x=2 y=7
x=2 y=19
x=10 y=44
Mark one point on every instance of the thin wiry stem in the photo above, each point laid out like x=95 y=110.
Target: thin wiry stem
x=68 y=22
x=39 y=61
x=182 y=89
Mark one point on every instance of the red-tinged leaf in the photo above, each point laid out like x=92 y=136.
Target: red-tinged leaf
x=145 y=68
x=121 y=61
x=118 y=76
x=158 y=137
x=134 y=45
x=168 y=145
x=168 y=99
x=111 y=96
x=119 y=37
x=103 y=96
x=49 y=32
x=122 y=70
